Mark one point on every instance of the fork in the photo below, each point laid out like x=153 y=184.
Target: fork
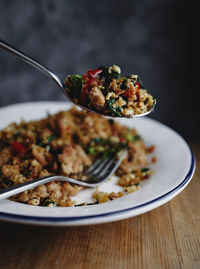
x=97 y=173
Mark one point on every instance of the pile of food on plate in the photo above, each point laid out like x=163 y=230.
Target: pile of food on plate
x=66 y=144
x=105 y=91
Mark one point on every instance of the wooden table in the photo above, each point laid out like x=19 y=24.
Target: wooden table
x=166 y=237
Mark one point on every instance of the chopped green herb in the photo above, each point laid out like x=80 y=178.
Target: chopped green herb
x=111 y=121
x=81 y=204
x=76 y=81
x=105 y=91
x=103 y=147
x=136 y=138
x=17 y=135
x=133 y=82
x=114 y=74
x=7 y=182
x=123 y=87
x=97 y=140
x=116 y=111
x=104 y=72
x=140 y=81
x=145 y=169
x=47 y=202
x=26 y=172
x=39 y=142
x=50 y=138
x=113 y=149
x=132 y=138
x=128 y=136
x=108 y=76
x=92 y=150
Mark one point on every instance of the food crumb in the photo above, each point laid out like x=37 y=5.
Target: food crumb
x=150 y=149
x=154 y=159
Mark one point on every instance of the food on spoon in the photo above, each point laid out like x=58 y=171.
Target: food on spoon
x=105 y=91
x=66 y=144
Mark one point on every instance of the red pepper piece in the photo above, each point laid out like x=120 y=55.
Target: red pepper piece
x=94 y=73
x=67 y=128
x=137 y=84
x=125 y=94
x=83 y=97
x=88 y=85
x=130 y=92
x=17 y=147
x=121 y=139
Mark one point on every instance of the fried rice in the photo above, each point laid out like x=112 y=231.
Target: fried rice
x=67 y=143
x=105 y=91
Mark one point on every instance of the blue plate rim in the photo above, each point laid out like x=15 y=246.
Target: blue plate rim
x=15 y=217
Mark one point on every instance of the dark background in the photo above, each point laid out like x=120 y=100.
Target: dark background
x=150 y=38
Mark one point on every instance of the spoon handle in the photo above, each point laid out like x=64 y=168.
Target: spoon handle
x=24 y=57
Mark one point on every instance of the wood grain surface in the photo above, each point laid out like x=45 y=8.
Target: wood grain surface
x=166 y=237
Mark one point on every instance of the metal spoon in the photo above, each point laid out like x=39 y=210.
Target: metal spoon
x=59 y=82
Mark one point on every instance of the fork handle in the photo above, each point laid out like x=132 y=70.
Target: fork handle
x=24 y=57
x=10 y=191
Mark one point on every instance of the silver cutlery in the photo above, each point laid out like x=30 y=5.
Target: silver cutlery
x=95 y=175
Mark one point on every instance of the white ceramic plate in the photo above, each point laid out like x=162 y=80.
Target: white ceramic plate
x=173 y=170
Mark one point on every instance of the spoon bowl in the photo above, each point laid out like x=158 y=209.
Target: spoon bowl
x=59 y=82
x=110 y=116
